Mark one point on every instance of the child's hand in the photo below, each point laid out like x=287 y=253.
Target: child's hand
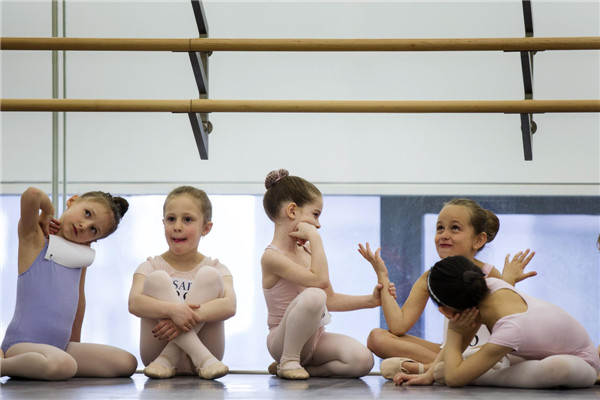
x=375 y=259
x=413 y=379
x=44 y=220
x=304 y=231
x=464 y=322
x=166 y=330
x=377 y=292
x=513 y=270
x=184 y=316
x=54 y=226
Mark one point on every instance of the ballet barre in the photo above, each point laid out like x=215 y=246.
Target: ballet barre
x=316 y=45
x=300 y=106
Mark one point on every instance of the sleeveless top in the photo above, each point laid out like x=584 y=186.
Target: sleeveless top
x=47 y=299
x=182 y=280
x=279 y=297
x=543 y=330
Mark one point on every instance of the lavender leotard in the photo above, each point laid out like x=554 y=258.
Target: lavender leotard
x=47 y=297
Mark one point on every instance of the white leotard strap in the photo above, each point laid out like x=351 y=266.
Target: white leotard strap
x=69 y=254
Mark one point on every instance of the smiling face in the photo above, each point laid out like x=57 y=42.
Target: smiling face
x=184 y=224
x=454 y=234
x=86 y=221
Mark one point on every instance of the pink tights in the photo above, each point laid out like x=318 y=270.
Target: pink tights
x=205 y=343
x=300 y=340
x=559 y=370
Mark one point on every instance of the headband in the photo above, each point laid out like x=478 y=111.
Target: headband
x=431 y=291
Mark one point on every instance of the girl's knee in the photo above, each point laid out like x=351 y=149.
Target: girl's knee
x=376 y=341
x=209 y=276
x=313 y=298
x=156 y=281
x=362 y=363
x=59 y=368
x=126 y=365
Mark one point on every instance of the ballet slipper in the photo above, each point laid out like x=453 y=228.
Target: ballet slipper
x=213 y=371
x=292 y=373
x=393 y=365
x=438 y=373
x=273 y=368
x=158 y=371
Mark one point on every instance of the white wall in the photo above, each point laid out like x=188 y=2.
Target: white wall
x=342 y=153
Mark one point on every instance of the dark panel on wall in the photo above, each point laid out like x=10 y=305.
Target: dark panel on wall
x=402 y=231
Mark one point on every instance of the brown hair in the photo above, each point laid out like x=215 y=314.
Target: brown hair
x=199 y=195
x=482 y=220
x=116 y=204
x=282 y=187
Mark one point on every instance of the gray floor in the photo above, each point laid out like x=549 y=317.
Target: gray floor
x=262 y=386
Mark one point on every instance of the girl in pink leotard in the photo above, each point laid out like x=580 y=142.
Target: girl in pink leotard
x=182 y=296
x=553 y=347
x=298 y=292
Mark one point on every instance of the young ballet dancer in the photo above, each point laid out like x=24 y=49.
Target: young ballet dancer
x=463 y=228
x=182 y=296
x=554 y=348
x=298 y=292
x=42 y=339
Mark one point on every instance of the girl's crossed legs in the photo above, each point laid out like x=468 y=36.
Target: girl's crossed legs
x=205 y=344
x=559 y=370
x=45 y=362
x=300 y=340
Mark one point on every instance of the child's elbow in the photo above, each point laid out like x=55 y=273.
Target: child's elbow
x=131 y=306
x=455 y=381
x=322 y=284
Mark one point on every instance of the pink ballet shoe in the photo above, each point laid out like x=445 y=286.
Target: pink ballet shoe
x=155 y=370
x=393 y=365
x=292 y=374
x=213 y=371
x=273 y=368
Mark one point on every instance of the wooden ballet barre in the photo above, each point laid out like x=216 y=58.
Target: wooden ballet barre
x=352 y=45
x=301 y=106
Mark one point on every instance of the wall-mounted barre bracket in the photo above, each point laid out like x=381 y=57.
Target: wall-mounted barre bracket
x=201 y=126
x=528 y=127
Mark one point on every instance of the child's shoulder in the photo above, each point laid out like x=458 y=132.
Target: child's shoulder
x=152 y=264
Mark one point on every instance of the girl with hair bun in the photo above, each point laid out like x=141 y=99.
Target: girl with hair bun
x=554 y=348
x=42 y=339
x=463 y=228
x=297 y=290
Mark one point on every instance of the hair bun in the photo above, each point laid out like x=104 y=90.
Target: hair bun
x=473 y=281
x=275 y=176
x=122 y=204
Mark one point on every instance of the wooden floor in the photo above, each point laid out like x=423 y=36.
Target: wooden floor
x=262 y=386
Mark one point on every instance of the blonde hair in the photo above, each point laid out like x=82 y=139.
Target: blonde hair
x=199 y=195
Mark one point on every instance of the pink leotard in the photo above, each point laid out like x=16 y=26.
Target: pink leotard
x=182 y=280
x=278 y=298
x=542 y=331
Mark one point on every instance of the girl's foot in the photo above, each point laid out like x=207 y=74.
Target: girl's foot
x=393 y=365
x=438 y=373
x=156 y=370
x=293 y=371
x=273 y=368
x=214 y=370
